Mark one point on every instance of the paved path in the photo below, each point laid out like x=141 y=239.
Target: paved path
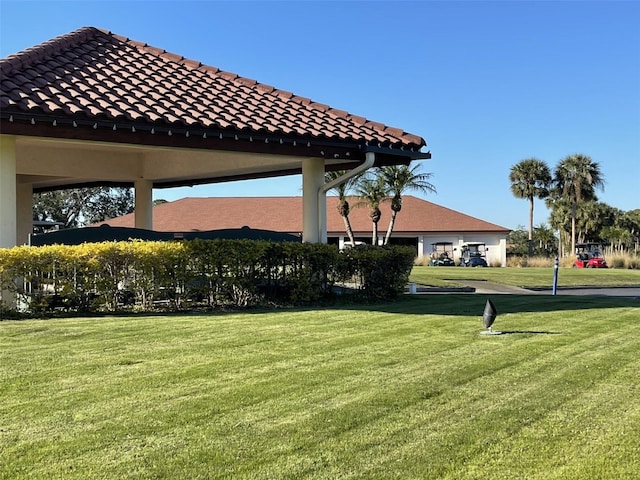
x=611 y=292
x=481 y=286
x=484 y=287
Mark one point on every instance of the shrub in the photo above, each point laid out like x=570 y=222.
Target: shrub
x=381 y=272
x=175 y=275
x=526 y=261
x=617 y=262
x=422 y=261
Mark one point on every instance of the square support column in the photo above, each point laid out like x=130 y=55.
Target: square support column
x=312 y=180
x=143 y=204
x=8 y=195
x=24 y=212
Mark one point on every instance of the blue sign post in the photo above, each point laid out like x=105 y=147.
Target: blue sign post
x=555 y=276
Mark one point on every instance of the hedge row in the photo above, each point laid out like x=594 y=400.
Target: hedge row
x=181 y=275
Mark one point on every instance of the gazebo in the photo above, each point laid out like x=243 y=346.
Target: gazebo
x=94 y=108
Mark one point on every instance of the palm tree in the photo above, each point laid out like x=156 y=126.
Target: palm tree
x=399 y=179
x=559 y=219
x=631 y=221
x=372 y=191
x=530 y=178
x=575 y=178
x=342 y=191
x=546 y=239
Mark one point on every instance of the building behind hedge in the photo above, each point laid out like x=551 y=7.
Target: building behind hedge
x=92 y=108
x=419 y=224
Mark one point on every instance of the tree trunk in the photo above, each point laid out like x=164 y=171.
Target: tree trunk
x=573 y=228
x=343 y=209
x=349 y=230
x=531 y=226
x=375 y=218
x=374 y=235
x=390 y=228
x=396 y=206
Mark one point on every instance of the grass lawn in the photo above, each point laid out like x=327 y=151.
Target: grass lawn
x=527 y=277
x=408 y=390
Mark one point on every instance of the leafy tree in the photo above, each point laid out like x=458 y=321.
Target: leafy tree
x=630 y=221
x=109 y=203
x=530 y=179
x=544 y=239
x=372 y=192
x=399 y=179
x=517 y=241
x=81 y=206
x=343 y=205
x=618 y=237
x=592 y=217
x=575 y=179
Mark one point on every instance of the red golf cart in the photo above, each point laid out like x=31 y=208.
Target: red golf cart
x=589 y=255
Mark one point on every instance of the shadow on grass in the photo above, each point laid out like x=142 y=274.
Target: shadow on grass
x=465 y=305
x=429 y=304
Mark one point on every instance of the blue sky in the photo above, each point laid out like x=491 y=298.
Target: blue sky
x=486 y=83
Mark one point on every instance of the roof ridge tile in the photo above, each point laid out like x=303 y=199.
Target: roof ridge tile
x=28 y=56
x=172 y=57
x=227 y=75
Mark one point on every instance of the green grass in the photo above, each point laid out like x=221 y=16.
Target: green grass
x=530 y=277
x=408 y=390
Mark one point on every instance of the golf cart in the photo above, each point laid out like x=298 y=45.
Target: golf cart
x=473 y=254
x=589 y=255
x=442 y=255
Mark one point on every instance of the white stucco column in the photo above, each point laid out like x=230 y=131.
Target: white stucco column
x=421 y=249
x=8 y=213
x=24 y=212
x=503 y=252
x=144 y=204
x=312 y=180
x=322 y=214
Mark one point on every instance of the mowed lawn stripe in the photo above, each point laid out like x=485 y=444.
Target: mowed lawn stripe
x=496 y=407
x=330 y=393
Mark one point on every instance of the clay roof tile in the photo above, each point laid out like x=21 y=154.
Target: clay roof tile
x=110 y=74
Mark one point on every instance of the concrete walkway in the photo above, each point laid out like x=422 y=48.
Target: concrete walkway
x=481 y=286
x=490 y=288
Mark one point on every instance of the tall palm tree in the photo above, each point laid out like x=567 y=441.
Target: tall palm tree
x=372 y=192
x=343 y=205
x=398 y=180
x=530 y=178
x=576 y=178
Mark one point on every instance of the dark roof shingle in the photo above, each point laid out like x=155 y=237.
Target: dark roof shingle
x=284 y=214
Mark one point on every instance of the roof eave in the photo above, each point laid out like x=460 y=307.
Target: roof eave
x=181 y=136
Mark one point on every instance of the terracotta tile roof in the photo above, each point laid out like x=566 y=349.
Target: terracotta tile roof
x=93 y=78
x=284 y=214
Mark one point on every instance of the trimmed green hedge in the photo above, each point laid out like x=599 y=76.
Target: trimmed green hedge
x=182 y=275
